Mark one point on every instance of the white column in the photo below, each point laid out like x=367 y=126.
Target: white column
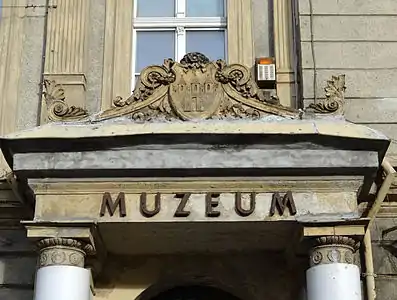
x=333 y=274
x=61 y=274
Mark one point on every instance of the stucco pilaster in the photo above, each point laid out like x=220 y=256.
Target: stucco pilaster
x=66 y=48
x=240 y=37
x=283 y=46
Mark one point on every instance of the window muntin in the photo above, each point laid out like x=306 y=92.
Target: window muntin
x=197 y=26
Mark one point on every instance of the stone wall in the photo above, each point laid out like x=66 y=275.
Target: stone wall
x=384 y=235
x=353 y=37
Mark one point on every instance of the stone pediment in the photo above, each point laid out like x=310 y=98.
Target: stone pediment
x=192 y=89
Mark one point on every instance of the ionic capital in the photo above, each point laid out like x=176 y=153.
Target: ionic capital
x=333 y=249
x=63 y=252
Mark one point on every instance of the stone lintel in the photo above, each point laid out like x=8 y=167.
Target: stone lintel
x=357 y=230
x=37 y=231
x=277 y=160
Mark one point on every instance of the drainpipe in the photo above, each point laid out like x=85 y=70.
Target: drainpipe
x=43 y=58
x=369 y=264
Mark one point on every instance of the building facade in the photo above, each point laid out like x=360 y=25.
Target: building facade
x=145 y=155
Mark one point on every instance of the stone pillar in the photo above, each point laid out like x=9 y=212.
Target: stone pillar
x=333 y=274
x=61 y=274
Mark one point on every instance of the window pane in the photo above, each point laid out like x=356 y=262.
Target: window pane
x=210 y=43
x=156 y=8
x=152 y=47
x=205 y=8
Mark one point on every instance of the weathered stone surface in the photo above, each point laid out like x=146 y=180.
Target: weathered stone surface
x=17 y=270
x=29 y=97
x=96 y=32
x=377 y=83
x=352 y=55
x=386 y=287
x=355 y=7
x=385 y=262
x=368 y=110
x=15 y=241
x=194 y=159
x=261 y=28
x=349 y=28
x=390 y=130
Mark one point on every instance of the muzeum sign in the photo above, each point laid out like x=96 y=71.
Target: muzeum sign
x=244 y=204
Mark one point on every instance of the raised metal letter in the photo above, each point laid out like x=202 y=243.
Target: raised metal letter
x=239 y=207
x=107 y=203
x=281 y=203
x=143 y=205
x=180 y=212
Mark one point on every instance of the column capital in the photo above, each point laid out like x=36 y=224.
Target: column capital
x=333 y=249
x=63 y=251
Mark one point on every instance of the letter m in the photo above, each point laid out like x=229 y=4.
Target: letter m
x=111 y=207
x=280 y=203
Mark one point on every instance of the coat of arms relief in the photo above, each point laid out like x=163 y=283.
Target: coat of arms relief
x=194 y=88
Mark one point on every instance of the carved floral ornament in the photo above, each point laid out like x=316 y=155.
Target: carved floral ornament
x=195 y=88
x=334 y=249
x=63 y=251
x=57 y=108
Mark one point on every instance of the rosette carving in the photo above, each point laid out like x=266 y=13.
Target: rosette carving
x=62 y=251
x=335 y=97
x=333 y=249
x=57 y=108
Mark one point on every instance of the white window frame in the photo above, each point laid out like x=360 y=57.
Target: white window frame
x=180 y=24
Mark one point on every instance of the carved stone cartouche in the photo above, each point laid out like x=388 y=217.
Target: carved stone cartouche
x=196 y=88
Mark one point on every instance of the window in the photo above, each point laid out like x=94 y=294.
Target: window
x=172 y=28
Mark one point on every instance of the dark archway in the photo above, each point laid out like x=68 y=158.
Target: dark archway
x=195 y=292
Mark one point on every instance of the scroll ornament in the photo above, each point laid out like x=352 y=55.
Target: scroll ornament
x=57 y=108
x=193 y=89
x=335 y=97
x=196 y=88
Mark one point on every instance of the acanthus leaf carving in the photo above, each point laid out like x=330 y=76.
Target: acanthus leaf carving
x=57 y=108
x=196 y=88
x=335 y=97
